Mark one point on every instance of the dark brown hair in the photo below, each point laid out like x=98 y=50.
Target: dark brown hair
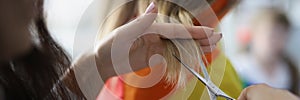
x=39 y=74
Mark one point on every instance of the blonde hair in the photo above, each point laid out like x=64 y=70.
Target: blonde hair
x=175 y=74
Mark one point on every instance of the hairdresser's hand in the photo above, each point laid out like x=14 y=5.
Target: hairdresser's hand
x=264 y=92
x=133 y=44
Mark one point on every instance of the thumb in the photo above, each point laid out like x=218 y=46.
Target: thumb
x=140 y=24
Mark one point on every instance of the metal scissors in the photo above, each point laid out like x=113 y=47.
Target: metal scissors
x=213 y=90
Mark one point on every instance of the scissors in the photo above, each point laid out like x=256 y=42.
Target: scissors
x=213 y=90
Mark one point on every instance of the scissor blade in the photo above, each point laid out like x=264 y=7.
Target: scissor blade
x=213 y=90
x=204 y=81
x=206 y=76
x=217 y=91
x=204 y=70
x=211 y=95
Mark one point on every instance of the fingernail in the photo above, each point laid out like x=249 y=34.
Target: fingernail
x=150 y=8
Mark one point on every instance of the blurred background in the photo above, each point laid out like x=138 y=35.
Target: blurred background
x=262 y=40
x=260 y=33
x=241 y=16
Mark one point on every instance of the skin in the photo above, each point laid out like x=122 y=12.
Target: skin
x=265 y=92
x=269 y=42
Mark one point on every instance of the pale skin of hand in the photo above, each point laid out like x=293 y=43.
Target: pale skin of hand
x=265 y=92
x=145 y=46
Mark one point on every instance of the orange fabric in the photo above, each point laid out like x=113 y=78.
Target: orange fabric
x=211 y=56
x=219 y=8
x=158 y=90
x=112 y=90
x=134 y=93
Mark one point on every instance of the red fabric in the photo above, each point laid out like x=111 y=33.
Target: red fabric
x=112 y=90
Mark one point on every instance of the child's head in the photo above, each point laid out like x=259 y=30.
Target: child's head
x=270 y=33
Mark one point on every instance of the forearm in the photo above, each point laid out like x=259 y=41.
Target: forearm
x=104 y=60
x=115 y=58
